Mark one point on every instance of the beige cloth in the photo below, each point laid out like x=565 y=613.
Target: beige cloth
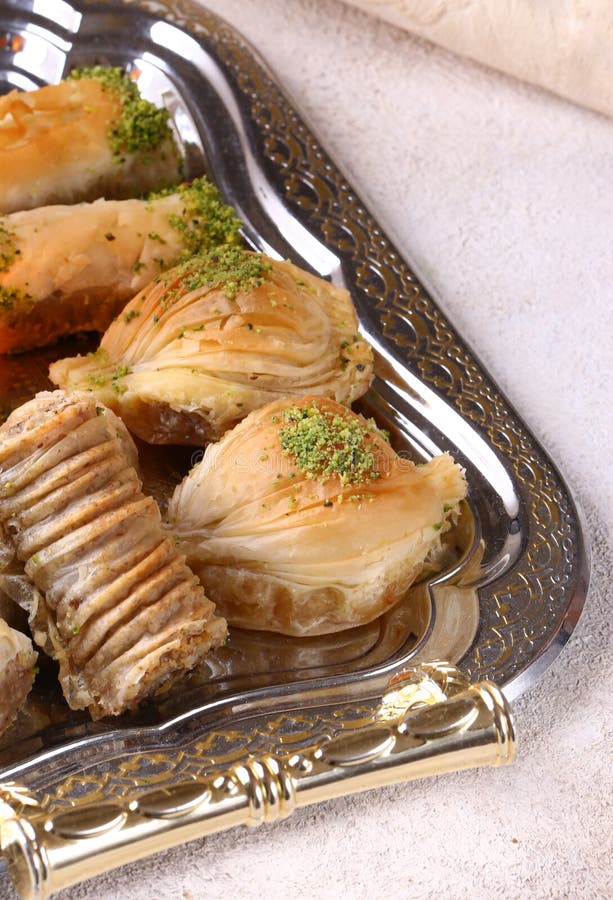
x=565 y=46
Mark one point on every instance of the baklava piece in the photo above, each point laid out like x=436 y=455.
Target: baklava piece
x=303 y=520
x=217 y=337
x=90 y=136
x=65 y=269
x=111 y=597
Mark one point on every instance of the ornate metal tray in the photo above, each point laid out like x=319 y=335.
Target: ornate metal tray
x=517 y=574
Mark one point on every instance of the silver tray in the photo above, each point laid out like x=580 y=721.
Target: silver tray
x=517 y=577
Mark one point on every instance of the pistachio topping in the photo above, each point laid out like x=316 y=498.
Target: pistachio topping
x=232 y=268
x=11 y=297
x=8 y=248
x=142 y=126
x=327 y=444
x=206 y=221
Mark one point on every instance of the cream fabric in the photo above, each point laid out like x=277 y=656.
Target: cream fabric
x=565 y=46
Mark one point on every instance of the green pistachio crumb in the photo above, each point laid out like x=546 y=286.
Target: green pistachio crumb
x=230 y=268
x=131 y=314
x=12 y=297
x=325 y=444
x=8 y=248
x=205 y=221
x=142 y=127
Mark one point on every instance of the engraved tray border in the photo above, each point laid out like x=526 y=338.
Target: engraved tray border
x=538 y=580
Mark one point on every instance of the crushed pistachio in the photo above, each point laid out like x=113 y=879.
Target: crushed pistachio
x=325 y=444
x=131 y=314
x=232 y=268
x=206 y=221
x=11 y=297
x=142 y=126
x=8 y=248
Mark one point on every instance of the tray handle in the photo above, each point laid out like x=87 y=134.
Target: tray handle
x=429 y=721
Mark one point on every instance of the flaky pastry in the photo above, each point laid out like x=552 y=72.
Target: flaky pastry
x=17 y=662
x=303 y=520
x=87 y=137
x=217 y=337
x=111 y=597
x=65 y=269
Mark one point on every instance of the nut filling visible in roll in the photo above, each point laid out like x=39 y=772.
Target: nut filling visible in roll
x=112 y=599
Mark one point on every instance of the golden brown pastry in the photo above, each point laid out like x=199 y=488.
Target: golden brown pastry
x=65 y=269
x=217 y=337
x=17 y=672
x=303 y=520
x=87 y=137
x=112 y=600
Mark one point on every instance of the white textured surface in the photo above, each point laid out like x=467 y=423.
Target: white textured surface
x=502 y=193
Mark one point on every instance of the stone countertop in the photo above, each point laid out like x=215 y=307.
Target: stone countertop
x=502 y=194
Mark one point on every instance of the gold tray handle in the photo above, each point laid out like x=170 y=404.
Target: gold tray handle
x=430 y=721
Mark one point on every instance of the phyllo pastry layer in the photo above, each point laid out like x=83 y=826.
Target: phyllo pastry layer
x=112 y=599
x=303 y=520
x=217 y=337
x=65 y=269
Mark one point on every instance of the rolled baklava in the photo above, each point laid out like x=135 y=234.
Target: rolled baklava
x=90 y=136
x=65 y=269
x=303 y=520
x=111 y=596
x=219 y=336
x=17 y=673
